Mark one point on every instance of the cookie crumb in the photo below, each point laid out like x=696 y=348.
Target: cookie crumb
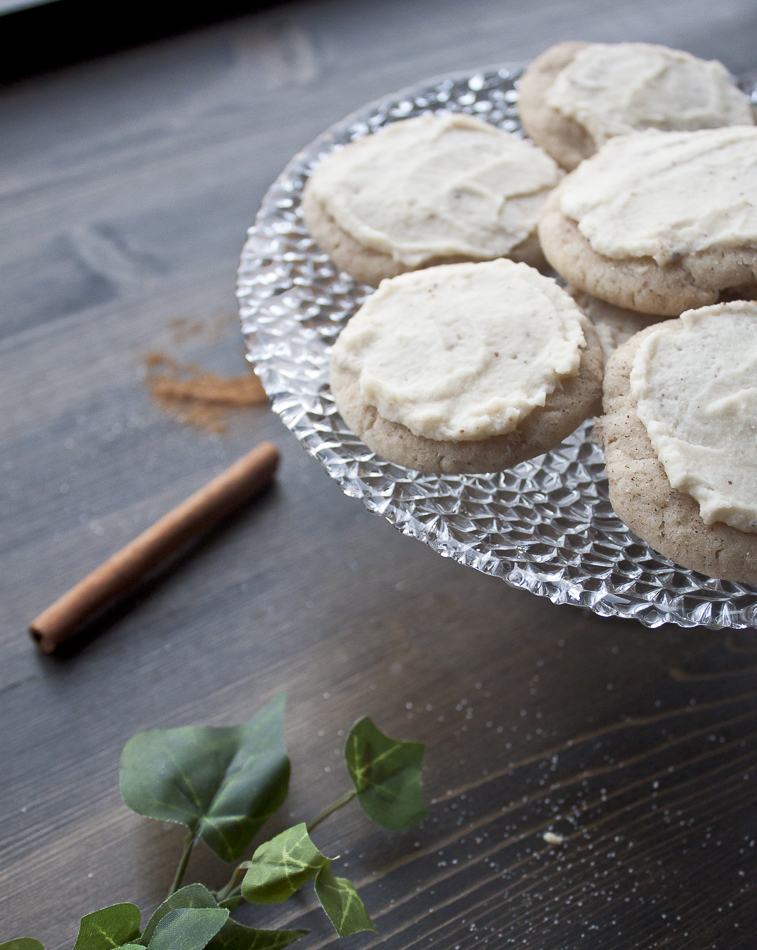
x=552 y=838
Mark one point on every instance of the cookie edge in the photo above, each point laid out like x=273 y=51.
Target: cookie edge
x=564 y=139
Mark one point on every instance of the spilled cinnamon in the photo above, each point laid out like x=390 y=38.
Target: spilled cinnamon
x=195 y=396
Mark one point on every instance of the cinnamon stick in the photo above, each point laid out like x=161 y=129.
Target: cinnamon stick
x=120 y=572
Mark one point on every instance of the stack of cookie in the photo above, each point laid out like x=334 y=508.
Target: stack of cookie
x=658 y=218
x=467 y=358
x=475 y=366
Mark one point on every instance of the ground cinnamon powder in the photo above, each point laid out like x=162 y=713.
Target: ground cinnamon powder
x=194 y=396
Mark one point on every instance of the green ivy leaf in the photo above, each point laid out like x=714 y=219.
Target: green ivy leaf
x=223 y=783
x=110 y=927
x=341 y=902
x=387 y=776
x=188 y=928
x=234 y=936
x=281 y=866
x=22 y=943
x=193 y=895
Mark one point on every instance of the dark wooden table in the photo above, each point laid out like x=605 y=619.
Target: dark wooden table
x=127 y=184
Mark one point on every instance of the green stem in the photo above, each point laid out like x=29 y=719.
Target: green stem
x=233 y=886
x=189 y=843
x=234 y=892
x=330 y=809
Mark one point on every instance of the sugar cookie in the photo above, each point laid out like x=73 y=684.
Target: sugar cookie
x=467 y=367
x=426 y=191
x=576 y=96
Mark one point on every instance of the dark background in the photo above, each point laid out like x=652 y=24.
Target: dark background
x=57 y=33
x=130 y=171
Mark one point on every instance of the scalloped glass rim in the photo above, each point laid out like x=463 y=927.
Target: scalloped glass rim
x=546 y=525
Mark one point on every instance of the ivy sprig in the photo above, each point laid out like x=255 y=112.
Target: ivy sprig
x=222 y=784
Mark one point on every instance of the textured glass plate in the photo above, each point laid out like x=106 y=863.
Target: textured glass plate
x=545 y=525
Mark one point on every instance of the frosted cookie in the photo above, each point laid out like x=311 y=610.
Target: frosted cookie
x=680 y=402
x=426 y=191
x=576 y=96
x=466 y=367
x=659 y=222
x=614 y=325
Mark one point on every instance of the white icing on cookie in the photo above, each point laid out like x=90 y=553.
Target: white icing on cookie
x=462 y=352
x=614 y=89
x=665 y=194
x=695 y=383
x=431 y=187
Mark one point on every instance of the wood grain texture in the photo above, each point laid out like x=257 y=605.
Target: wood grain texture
x=125 y=191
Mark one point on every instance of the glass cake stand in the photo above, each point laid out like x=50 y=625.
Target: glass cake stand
x=545 y=525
